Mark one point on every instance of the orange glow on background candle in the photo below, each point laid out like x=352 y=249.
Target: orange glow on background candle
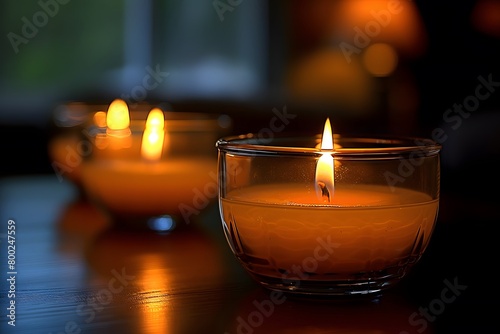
x=145 y=177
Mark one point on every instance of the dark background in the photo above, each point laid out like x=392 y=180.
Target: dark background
x=242 y=65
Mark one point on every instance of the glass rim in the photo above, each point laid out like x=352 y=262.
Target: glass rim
x=75 y=114
x=366 y=145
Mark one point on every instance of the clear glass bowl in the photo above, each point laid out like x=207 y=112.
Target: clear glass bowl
x=162 y=194
x=358 y=234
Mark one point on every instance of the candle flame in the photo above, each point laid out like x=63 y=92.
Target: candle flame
x=156 y=119
x=118 y=118
x=153 y=136
x=325 y=167
x=327 y=139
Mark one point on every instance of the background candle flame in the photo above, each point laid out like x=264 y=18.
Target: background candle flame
x=325 y=179
x=118 y=117
x=153 y=136
x=118 y=134
x=155 y=120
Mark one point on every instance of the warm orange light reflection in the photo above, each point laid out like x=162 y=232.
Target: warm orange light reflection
x=398 y=23
x=153 y=280
x=380 y=59
x=118 y=118
x=486 y=17
x=101 y=141
x=324 y=76
x=325 y=168
x=153 y=136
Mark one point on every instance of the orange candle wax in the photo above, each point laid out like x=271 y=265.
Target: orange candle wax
x=364 y=228
x=129 y=183
x=147 y=188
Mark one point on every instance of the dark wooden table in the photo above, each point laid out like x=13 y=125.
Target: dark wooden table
x=77 y=273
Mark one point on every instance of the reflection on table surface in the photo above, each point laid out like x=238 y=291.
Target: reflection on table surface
x=79 y=273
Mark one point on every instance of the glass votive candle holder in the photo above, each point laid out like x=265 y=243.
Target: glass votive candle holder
x=155 y=178
x=70 y=126
x=74 y=128
x=351 y=220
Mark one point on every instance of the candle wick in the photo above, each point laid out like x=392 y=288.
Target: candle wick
x=325 y=192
